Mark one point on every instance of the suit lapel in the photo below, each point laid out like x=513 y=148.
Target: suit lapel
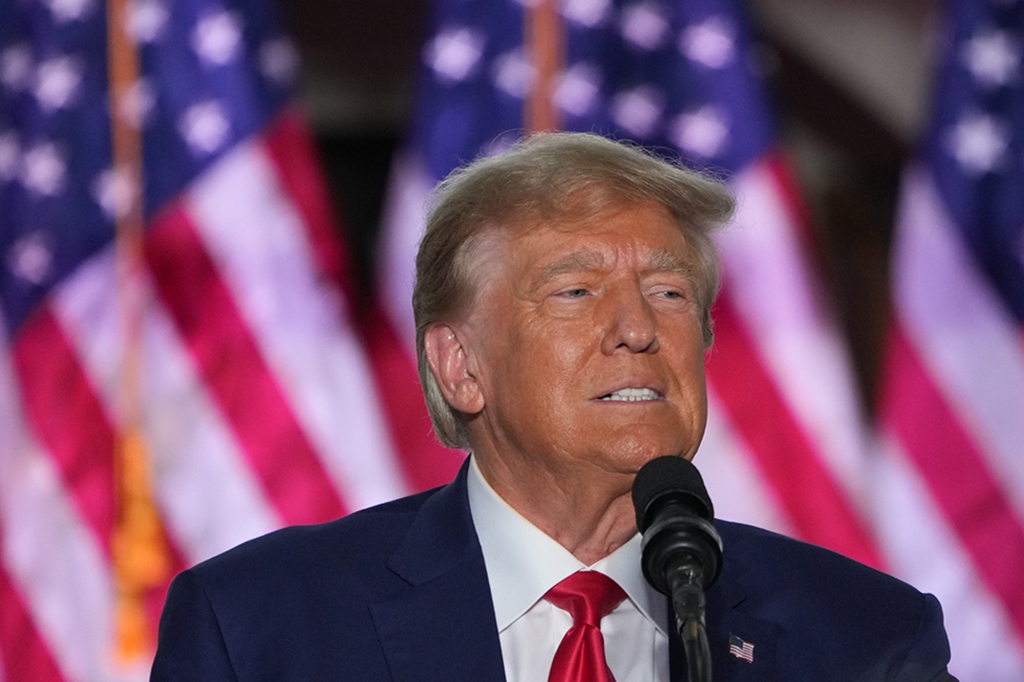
x=442 y=627
x=729 y=622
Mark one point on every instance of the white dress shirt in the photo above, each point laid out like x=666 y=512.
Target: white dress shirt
x=523 y=563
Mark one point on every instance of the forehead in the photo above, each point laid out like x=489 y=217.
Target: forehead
x=644 y=231
x=526 y=254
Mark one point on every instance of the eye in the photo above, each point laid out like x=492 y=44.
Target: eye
x=670 y=294
x=572 y=293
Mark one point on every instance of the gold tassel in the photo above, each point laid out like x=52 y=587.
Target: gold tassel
x=140 y=552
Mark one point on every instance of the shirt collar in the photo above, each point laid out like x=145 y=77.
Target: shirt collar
x=523 y=562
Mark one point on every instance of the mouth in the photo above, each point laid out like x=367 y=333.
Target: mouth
x=632 y=395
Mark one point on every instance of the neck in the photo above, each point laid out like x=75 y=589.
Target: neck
x=589 y=513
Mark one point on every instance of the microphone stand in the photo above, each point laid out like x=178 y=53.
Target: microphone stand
x=686 y=581
x=674 y=563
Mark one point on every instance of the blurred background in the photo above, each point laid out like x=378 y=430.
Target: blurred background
x=209 y=210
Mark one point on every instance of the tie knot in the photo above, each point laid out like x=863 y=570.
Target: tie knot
x=588 y=595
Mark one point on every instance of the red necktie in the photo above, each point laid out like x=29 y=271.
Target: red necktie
x=589 y=596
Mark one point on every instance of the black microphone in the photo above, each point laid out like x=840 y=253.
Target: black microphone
x=681 y=553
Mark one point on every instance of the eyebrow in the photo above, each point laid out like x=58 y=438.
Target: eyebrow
x=581 y=261
x=577 y=261
x=663 y=261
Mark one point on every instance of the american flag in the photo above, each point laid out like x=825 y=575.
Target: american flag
x=258 y=403
x=951 y=481
x=787 y=446
x=741 y=649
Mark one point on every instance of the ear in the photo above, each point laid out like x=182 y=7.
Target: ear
x=450 y=363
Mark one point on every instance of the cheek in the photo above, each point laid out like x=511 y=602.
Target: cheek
x=698 y=395
x=568 y=353
x=689 y=365
x=548 y=366
x=557 y=347
x=695 y=371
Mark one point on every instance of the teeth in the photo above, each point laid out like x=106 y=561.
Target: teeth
x=632 y=395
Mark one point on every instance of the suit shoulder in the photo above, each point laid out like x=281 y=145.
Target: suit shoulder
x=300 y=589
x=876 y=623
x=784 y=560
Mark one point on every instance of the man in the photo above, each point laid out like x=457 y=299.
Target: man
x=562 y=306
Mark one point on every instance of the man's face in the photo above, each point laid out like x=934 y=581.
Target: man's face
x=586 y=344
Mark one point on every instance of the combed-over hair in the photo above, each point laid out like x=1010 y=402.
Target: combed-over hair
x=547 y=178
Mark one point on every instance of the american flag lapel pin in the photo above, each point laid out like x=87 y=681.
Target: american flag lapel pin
x=741 y=649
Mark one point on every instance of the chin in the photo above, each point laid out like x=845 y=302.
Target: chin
x=635 y=449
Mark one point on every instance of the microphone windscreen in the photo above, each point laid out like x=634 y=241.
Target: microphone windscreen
x=674 y=477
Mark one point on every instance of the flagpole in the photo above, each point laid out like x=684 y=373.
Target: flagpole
x=138 y=545
x=544 y=46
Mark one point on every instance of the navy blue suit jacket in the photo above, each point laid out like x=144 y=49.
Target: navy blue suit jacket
x=399 y=592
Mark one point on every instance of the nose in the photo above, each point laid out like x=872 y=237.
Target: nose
x=631 y=323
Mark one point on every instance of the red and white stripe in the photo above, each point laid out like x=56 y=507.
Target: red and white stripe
x=782 y=380
x=953 y=427
x=55 y=584
x=260 y=403
x=405 y=212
